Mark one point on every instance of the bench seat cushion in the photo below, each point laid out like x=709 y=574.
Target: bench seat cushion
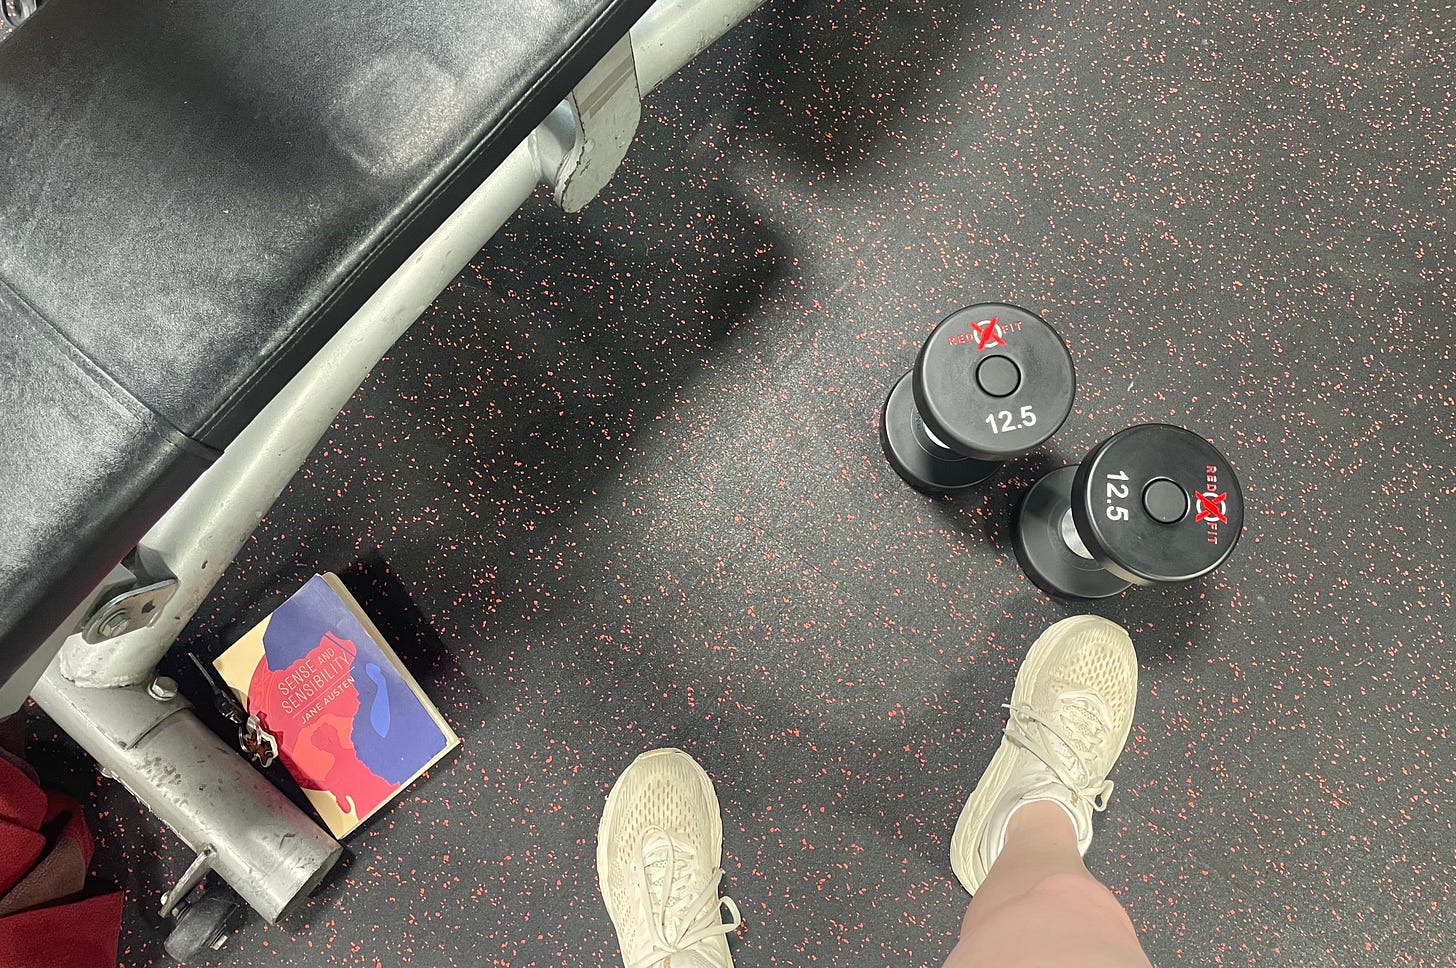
x=196 y=195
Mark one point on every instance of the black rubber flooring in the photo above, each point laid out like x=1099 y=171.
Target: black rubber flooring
x=621 y=487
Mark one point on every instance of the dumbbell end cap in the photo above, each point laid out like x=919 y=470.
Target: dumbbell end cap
x=1158 y=504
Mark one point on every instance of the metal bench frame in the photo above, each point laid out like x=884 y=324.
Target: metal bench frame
x=96 y=676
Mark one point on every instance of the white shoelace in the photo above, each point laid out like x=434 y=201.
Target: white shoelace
x=1077 y=737
x=663 y=867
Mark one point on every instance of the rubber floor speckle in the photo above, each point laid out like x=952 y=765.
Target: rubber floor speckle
x=621 y=487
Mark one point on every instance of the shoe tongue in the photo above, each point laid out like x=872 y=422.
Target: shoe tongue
x=687 y=959
x=657 y=841
x=1040 y=781
x=668 y=865
x=1064 y=741
x=1086 y=718
x=1082 y=723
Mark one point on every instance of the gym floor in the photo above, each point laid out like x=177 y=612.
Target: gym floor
x=621 y=488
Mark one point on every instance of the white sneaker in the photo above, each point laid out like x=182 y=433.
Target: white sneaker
x=1071 y=709
x=658 y=852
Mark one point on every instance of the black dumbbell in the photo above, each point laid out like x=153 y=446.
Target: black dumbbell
x=991 y=382
x=1150 y=505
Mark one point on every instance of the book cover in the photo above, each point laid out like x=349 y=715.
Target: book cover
x=351 y=723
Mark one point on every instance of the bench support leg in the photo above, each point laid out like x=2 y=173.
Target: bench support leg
x=97 y=688
x=267 y=849
x=222 y=807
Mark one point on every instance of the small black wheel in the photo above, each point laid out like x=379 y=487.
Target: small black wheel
x=203 y=924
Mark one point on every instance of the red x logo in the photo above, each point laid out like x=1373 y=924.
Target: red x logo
x=987 y=335
x=1212 y=509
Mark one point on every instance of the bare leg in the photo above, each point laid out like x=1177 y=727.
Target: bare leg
x=1019 y=842
x=1038 y=906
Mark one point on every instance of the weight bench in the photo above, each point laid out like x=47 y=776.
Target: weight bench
x=215 y=219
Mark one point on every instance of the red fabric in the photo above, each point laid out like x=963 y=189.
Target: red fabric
x=45 y=849
x=23 y=810
x=78 y=934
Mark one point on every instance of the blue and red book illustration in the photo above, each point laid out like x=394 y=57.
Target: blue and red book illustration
x=352 y=725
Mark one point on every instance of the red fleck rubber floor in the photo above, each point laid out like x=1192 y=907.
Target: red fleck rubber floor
x=621 y=487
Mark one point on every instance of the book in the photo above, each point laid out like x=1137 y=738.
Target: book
x=351 y=723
